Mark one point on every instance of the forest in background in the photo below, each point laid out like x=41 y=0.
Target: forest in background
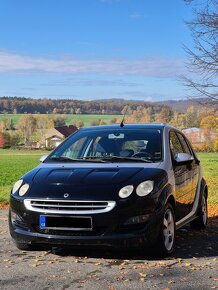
x=18 y=105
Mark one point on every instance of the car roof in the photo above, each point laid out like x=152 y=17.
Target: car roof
x=128 y=126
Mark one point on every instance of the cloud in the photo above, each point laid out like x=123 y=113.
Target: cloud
x=93 y=83
x=148 y=67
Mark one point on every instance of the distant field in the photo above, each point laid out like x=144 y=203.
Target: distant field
x=15 y=163
x=87 y=119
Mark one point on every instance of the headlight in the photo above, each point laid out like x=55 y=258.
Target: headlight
x=23 y=189
x=126 y=191
x=145 y=188
x=17 y=185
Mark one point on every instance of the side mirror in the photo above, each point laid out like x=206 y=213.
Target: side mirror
x=183 y=157
x=42 y=158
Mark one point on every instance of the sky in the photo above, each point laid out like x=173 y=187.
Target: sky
x=94 y=49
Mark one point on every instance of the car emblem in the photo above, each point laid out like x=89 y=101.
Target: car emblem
x=66 y=195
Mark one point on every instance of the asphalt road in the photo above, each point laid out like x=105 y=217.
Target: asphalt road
x=193 y=266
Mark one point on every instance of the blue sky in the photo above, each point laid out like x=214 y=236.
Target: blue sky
x=92 y=49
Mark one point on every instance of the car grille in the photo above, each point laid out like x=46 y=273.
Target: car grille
x=69 y=206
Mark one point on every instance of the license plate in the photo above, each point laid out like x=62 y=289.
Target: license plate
x=65 y=223
x=42 y=221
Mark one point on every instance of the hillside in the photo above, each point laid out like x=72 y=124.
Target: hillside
x=182 y=105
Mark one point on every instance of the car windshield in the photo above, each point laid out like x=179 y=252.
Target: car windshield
x=111 y=145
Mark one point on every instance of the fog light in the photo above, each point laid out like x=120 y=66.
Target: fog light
x=15 y=217
x=137 y=219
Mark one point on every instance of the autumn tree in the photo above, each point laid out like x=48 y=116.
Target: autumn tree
x=178 y=120
x=44 y=122
x=164 y=116
x=78 y=123
x=78 y=111
x=2 y=140
x=59 y=121
x=209 y=122
x=203 y=58
x=27 y=125
x=192 y=118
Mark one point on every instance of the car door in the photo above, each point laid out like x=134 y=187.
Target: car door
x=183 y=178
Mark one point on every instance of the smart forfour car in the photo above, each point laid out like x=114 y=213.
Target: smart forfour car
x=121 y=186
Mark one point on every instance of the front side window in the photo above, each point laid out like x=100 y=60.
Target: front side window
x=145 y=144
x=184 y=144
x=175 y=145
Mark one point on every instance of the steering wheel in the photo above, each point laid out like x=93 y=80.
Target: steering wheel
x=142 y=154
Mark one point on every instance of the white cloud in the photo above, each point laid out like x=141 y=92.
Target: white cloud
x=93 y=83
x=148 y=67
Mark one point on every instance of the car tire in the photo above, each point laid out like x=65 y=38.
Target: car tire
x=200 y=222
x=166 y=239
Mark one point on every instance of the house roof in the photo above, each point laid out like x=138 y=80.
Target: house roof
x=189 y=130
x=66 y=130
x=52 y=132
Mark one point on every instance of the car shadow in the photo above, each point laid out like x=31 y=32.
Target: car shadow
x=189 y=243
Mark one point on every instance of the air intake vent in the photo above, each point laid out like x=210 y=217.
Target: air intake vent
x=68 y=207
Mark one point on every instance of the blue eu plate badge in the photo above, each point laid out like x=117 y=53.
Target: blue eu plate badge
x=42 y=221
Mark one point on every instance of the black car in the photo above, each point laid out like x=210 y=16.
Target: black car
x=129 y=186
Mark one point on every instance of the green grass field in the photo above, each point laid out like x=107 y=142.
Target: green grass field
x=87 y=119
x=15 y=163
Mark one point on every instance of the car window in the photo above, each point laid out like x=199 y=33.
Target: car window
x=74 y=150
x=184 y=144
x=146 y=143
x=135 y=145
x=175 y=145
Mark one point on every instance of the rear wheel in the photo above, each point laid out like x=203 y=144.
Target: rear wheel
x=166 y=239
x=200 y=222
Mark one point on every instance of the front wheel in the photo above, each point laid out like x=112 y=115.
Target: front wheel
x=200 y=222
x=166 y=239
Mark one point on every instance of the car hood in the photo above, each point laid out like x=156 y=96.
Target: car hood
x=85 y=183
x=84 y=176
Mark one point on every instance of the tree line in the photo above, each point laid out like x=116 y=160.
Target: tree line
x=17 y=105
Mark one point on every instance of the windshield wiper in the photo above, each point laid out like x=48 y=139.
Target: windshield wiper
x=118 y=158
x=68 y=159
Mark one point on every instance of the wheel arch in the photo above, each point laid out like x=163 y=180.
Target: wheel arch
x=167 y=196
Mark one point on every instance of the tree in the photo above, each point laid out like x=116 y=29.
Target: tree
x=78 y=123
x=164 y=116
x=178 y=120
x=203 y=58
x=44 y=122
x=59 y=121
x=2 y=140
x=78 y=111
x=192 y=119
x=209 y=122
x=27 y=125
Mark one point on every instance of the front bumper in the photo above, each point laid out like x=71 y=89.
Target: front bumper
x=109 y=229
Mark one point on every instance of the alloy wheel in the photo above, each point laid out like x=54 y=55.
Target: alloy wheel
x=168 y=229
